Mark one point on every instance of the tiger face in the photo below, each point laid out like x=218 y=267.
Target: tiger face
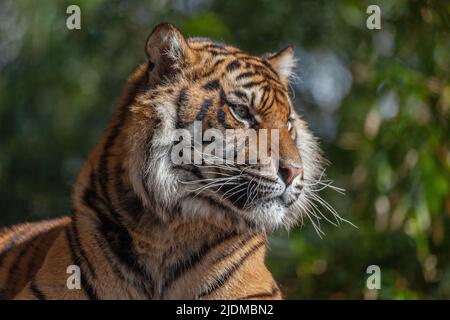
x=197 y=81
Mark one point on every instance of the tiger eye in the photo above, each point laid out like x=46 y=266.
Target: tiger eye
x=242 y=111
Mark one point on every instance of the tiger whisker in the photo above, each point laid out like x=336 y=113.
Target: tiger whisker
x=237 y=192
x=317 y=210
x=318 y=230
x=212 y=186
x=202 y=180
x=248 y=195
x=223 y=196
x=326 y=205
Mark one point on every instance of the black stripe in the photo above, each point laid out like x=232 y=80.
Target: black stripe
x=269 y=66
x=92 y=200
x=128 y=200
x=79 y=246
x=268 y=104
x=87 y=287
x=257 y=64
x=11 y=278
x=268 y=74
x=36 y=291
x=181 y=267
x=240 y=94
x=210 y=72
x=122 y=245
x=117 y=237
x=244 y=75
x=16 y=264
x=220 y=113
x=252 y=84
x=47 y=239
x=182 y=100
x=116 y=269
x=277 y=98
x=252 y=101
x=212 y=85
x=205 y=107
x=265 y=96
x=224 y=277
x=242 y=242
x=206 y=75
x=223 y=98
x=103 y=176
x=217 y=63
x=112 y=263
x=221 y=116
x=233 y=65
x=260 y=64
x=218 y=53
x=225 y=208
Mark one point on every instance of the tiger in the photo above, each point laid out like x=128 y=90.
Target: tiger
x=142 y=227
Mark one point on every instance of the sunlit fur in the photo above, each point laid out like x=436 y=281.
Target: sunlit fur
x=181 y=100
x=144 y=228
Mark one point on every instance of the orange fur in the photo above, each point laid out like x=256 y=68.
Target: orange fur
x=128 y=242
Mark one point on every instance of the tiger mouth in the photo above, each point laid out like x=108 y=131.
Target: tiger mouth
x=244 y=193
x=248 y=192
x=238 y=195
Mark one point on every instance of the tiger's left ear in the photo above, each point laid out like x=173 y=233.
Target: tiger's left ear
x=283 y=62
x=168 y=51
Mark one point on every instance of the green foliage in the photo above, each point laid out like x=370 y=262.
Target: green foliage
x=387 y=136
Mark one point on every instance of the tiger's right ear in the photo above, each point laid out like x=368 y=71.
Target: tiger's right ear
x=168 y=51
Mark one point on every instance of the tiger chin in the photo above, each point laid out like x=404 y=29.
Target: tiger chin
x=143 y=227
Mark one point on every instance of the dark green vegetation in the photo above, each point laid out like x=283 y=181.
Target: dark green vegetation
x=378 y=99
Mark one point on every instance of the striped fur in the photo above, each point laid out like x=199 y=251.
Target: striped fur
x=135 y=231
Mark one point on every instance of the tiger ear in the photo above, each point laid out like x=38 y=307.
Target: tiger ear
x=283 y=62
x=168 y=50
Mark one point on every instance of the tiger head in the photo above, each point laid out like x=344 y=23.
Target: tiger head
x=198 y=81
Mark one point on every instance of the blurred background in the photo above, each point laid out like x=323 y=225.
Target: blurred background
x=379 y=100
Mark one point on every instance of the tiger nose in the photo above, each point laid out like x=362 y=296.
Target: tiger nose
x=289 y=172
